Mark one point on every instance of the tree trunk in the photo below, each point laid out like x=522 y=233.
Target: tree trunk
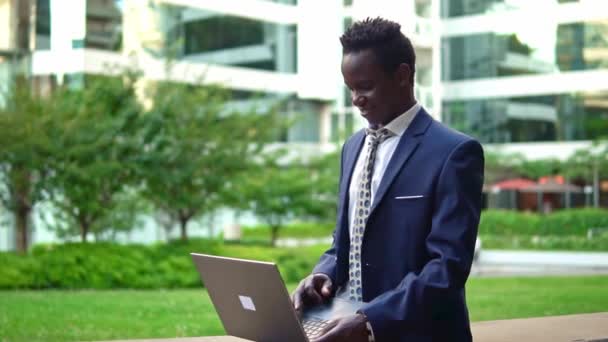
x=21 y=222
x=84 y=231
x=20 y=179
x=85 y=225
x=274 y=234
x=596 y=185
x=183 y=225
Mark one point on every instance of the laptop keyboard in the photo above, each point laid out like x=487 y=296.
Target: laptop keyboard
x=313 y=327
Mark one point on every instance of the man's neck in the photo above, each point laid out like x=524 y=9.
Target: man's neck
x=402 y=109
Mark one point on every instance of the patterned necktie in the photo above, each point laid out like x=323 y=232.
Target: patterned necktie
x=362 y=207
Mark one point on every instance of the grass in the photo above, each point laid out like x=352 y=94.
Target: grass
x=122 y=314
x=105 y=315
x=505 y=298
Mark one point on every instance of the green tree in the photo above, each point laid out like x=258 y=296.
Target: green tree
x=24 y=163
x=284 y=188
x=535 y=169
x=96 y=145
x=196 y=146
x=325 y=171
x=591 y=165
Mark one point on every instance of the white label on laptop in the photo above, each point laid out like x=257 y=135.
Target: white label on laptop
x=247 y=303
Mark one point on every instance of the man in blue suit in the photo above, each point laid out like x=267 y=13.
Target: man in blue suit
x=409 y=205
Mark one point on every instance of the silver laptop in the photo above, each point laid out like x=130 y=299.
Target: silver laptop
x=253 y=303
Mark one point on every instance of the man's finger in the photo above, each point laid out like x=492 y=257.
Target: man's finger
x=312 y=295
x=296 y=299
x=326 y=290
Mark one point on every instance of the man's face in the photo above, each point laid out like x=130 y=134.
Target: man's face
x=375 y=92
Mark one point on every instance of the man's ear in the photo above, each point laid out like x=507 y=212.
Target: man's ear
x=404 y=74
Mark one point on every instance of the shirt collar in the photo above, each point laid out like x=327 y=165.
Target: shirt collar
x=402 y=122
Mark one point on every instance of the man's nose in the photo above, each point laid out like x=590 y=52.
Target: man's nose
x=359 y=101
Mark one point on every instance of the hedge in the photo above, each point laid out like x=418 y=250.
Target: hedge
x=107 y=266
x=570 y=222
x=294 y=230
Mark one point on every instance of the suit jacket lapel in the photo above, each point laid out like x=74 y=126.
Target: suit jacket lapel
x=406 y=147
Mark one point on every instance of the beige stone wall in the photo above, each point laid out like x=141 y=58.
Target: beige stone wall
x=8 y=18
x=141 y=34
x=140 y=27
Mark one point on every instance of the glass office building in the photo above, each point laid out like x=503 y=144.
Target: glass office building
x=504 y=71
x=526 y=71
x=501 y=70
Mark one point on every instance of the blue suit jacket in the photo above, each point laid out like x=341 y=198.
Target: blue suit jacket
x=417 y=252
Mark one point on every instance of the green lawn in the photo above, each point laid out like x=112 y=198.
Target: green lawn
x=99 y=315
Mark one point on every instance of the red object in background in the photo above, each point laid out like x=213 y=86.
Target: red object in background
x=557 y=179
x=514 y=184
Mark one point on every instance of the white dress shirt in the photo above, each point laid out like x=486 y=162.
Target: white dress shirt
x=383 y=156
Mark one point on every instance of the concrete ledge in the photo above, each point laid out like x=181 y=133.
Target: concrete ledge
x=571 y=328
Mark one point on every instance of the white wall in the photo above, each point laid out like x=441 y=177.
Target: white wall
x=254 y=9
x=319 y=50
x=555 y=83
x=530 y=18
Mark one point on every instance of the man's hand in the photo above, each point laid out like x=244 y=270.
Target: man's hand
x=312 y=290
x=349 y=329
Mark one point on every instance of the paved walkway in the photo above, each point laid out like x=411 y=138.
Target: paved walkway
x=493 y=263
x=510 y=263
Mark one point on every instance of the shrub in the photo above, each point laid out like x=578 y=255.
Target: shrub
x=294 y=230
x=505 y=222
x=574 y=221
x=107 y=265
x=571 y=222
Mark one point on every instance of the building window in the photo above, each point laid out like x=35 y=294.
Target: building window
x=342 y=125
x=458 y=8
x=104 y=25
x=563 y=117
x=43 y=25
x=216 y=38
x=566 y=47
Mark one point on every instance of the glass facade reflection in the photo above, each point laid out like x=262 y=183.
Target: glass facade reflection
x=582 y=46
x=342 y=130
x=216 y=38
x=563 y=117
x=43 y=25
x=103 y=25
x=306 y=123
x=458 y=8
x=566 y=47
x=303 y=116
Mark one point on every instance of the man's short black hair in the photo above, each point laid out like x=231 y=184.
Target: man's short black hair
x=384 y=38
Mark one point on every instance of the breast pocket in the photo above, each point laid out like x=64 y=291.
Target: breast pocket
x=412 y=208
